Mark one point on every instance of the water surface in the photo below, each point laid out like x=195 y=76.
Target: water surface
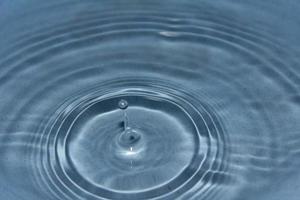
x=133 y=100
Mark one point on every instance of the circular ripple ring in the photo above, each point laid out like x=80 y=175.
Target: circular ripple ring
x=194 y=143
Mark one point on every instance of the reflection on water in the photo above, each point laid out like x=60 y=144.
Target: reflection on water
x=136 y=100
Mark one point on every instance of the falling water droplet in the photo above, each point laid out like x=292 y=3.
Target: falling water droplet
x=128 y=136
x=123 y=104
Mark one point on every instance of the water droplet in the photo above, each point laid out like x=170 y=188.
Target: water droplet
x=123 y=104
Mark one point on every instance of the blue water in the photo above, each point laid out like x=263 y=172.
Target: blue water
x=149 y=99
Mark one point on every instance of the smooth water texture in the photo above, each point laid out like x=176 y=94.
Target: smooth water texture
x=149 y=99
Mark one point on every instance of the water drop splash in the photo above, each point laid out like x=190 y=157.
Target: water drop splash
x=129 y=136
x=123 y=104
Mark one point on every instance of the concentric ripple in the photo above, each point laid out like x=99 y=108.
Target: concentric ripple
x=136 y=100
x=163 y=149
